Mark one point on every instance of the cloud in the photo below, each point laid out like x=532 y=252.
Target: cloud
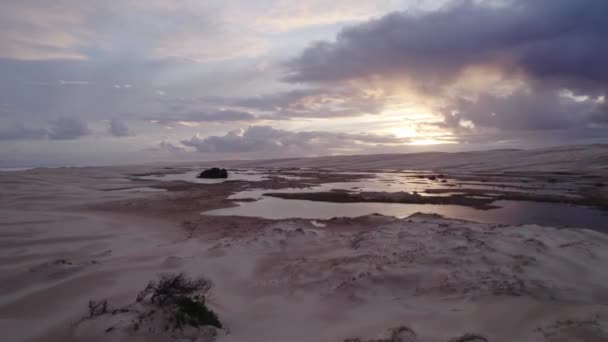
x=338 y=101
x=256 y=139
x=599 y=114
x=492 y=69
x=225 y=115
x=60 y=83
x=518 y=66
x=73 y=30
x=118 y=128
x=220 y=115
x=322 y=102
x=31 y=30
x=547 y=40
x=20 y=132
x=528 y=118
x=282 y=15
x=201 y=31
x=169 y=147
x=520 y=111
x=67 y=128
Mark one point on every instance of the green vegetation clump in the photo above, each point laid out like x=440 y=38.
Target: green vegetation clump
x=169 y=287
x=173 y=302
x=184 y=297
x=194 y=312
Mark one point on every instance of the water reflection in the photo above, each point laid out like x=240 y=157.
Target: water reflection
x=140 y=189
x=510 y=212
x=412 y=183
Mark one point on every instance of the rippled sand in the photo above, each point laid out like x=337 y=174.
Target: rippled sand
x=75 y=234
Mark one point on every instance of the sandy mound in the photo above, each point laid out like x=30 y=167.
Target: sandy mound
x=426 y=272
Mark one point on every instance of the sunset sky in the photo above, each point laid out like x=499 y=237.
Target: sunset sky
x=88 y=82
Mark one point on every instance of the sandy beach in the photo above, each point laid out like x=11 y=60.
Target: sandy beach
x=71 y=235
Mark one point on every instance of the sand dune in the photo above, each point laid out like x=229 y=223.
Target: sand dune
x=585 y=158
x=75 y=234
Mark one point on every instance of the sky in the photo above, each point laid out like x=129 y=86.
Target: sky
x=87 y=82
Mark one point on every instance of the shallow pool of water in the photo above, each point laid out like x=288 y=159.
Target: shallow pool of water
x=141 y=189
x=510 y=212
x=410 y=182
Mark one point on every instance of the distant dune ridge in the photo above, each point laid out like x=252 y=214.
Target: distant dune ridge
x=581 y=158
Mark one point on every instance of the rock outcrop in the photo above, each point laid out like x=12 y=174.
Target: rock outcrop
x=215 y=172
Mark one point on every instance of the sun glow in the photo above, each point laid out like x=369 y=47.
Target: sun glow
x=429 y=141
x=421 y=135
x=418 y=126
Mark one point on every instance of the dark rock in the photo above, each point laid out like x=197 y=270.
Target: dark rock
x=470 y=338
x=214 y=173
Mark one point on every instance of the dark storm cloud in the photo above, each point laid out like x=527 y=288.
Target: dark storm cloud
x=269 y=139
x=560 y=41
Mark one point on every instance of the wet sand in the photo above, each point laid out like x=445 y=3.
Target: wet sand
x=75 y=234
